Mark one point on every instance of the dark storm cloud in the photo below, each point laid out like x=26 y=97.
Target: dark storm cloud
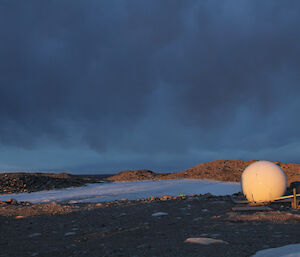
x=199 y=78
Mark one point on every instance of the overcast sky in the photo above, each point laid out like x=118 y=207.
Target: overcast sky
x=103 y=86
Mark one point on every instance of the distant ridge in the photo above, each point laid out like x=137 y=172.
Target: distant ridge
x=223 y=170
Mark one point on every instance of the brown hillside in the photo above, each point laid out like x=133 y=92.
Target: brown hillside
x=224 y=170
x=133 y=175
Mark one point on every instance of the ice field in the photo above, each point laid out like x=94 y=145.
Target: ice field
x=129 y=190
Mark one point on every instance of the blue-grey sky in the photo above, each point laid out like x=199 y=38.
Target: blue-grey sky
x=103 y=86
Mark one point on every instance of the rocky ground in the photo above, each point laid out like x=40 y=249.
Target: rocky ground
x=147 y=227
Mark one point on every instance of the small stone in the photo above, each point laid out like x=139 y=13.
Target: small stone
x=158 y=214
x=12 y=201
x=70 y=233
x=142 y=246
x=204 y=240
x=34 y=235
x=198 y=218
x=204 y=234
x=165 y=197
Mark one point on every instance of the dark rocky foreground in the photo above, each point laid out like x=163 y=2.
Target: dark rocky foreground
x=127 y=228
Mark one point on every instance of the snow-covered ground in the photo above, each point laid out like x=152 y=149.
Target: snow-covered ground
x=129 y=190
x=284 y=251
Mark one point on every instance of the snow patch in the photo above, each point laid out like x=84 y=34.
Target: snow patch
x=292 y=250
x=129 y=190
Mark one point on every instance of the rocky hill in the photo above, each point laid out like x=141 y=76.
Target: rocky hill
x=31 y=182
x=134 y=175
x=224 y=170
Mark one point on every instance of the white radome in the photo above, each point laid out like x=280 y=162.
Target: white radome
x=263 y=181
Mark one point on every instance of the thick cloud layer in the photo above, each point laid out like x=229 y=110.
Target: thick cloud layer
x=154 y=84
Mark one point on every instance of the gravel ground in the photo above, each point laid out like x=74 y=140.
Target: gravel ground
x=128 y=228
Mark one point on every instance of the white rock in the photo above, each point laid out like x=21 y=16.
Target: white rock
x=157 y=214
x=34 y=234
x=198 y=218
x=70 y=233
x=204 y=240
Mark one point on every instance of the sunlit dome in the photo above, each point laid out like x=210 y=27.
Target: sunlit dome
x=263 y=181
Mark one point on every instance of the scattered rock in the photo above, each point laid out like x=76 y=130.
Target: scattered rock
x=34 y=235
x=158 y=214
x=198 y=218
x=203 y=240
x=165 y=198
x=70 y=233
x=143 y=246
x=182 y=196
x=12 y=201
